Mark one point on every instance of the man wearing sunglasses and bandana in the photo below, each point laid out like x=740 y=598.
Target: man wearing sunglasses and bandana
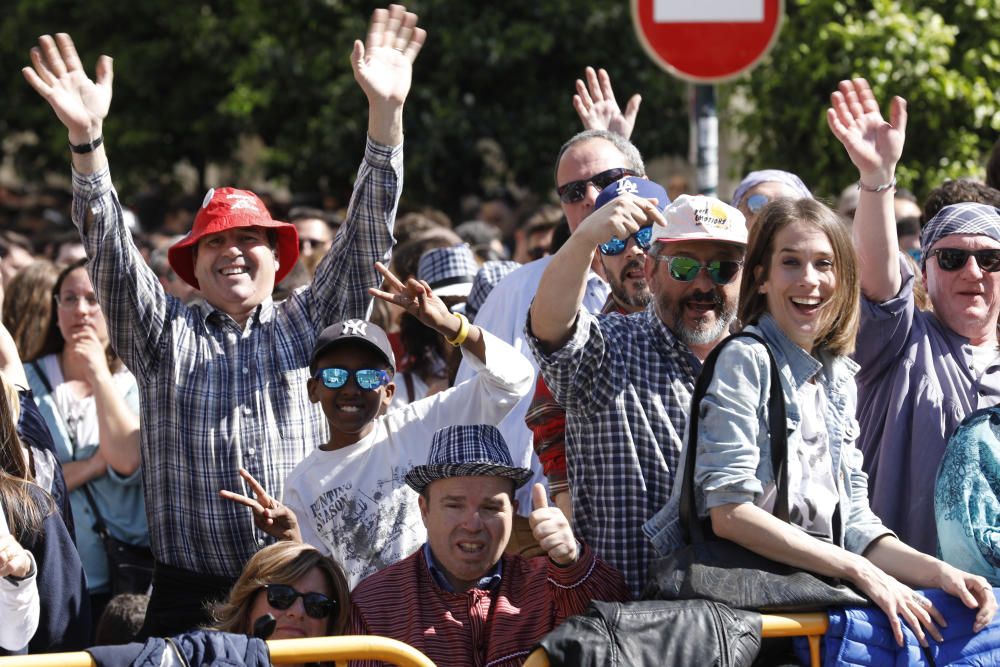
x=626 y=381
x=921 y=372
x=588 y=162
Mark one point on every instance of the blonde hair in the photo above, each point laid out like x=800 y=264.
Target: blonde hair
x=281 y=563
x=840 y=328
x=22 y=513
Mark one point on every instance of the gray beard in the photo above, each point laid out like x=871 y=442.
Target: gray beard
x=704 y=333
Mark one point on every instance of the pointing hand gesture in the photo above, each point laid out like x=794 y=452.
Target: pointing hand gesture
x=551 y=529
x=80 y=103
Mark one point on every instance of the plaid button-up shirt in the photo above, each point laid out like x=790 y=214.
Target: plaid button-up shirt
x=626 y=384
x=214 y=396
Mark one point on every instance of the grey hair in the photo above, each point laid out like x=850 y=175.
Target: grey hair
x=633 y=160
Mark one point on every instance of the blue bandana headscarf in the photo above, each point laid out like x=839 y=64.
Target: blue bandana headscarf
x=770 y=176
x=964 y=218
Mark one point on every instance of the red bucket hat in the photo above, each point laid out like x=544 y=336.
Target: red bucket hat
x=226 y=208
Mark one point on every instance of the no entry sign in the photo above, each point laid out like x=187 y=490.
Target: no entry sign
x=707 y=40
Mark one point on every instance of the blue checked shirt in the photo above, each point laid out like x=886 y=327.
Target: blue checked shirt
x=626 y=384
x=215 y=397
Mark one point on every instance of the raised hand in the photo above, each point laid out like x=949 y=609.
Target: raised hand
x=551 y=529
x=58 y=76
x=269 y=515
x=383 y=64
x=873 y=145
x=417 y=298
x=597 y=107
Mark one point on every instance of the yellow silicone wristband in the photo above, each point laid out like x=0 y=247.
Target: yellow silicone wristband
x=463 y=330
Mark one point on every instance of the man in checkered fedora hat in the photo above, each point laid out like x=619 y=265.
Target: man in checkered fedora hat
x=223 y=383
x=460 y=599
x=922 y=372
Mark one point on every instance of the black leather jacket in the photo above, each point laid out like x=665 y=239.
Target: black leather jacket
x=655 y=633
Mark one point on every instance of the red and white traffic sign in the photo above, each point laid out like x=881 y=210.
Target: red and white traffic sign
x=707 y=40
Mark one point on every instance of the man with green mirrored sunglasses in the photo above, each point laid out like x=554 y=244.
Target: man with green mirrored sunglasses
x=626 y=380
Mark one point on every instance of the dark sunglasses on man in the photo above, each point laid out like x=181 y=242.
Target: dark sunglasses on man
x=368 y=379
x=282 y=596
x=686 y=269
x=643 y=238
x=953 y=259
x=574 y=191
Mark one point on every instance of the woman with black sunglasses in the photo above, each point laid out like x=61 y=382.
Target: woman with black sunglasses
x=287 y=590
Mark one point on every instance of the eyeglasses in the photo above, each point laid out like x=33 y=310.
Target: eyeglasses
x=616 y=246
x=757 y=202
x=953 y=259
x=686 y=269
x=574 y=191
x=282 y=596
x=71 y=301
x=368 y=379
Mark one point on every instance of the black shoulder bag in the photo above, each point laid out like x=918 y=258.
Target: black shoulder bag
x=130 y=566
x=716 y=569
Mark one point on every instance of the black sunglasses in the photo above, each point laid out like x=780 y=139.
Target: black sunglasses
x=368 y=379
x=282 y=596
x=953 y=259
x=574 y=191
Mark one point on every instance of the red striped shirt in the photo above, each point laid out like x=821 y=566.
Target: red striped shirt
x=480 y=628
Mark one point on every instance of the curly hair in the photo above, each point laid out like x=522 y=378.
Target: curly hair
x=281 y=563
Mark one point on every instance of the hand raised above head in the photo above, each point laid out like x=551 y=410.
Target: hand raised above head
x=383 y=64
x=873 y=144
x=597 y=107
x=56 y=73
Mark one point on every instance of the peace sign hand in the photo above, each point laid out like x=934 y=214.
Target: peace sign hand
x=418 y=299
x=58 y=76
x=269 y=515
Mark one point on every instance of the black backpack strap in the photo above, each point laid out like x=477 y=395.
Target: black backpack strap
x=99 y=526
x=694 y=529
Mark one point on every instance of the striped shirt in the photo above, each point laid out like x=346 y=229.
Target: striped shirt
x=216 y=397
x=625 y=383
x=480 y=628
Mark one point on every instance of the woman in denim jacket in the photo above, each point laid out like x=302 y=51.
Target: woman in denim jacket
x=800 y=293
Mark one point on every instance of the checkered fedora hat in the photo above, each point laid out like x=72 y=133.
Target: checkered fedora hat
x=449 y=271
x=964 y=218
x=467 y=451
x=487 y=277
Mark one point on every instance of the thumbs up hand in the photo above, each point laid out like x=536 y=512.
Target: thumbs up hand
x=551 y=529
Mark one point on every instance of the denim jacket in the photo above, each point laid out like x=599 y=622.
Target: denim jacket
x=734 y=445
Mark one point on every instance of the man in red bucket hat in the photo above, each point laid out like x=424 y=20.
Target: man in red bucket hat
x=223 y=383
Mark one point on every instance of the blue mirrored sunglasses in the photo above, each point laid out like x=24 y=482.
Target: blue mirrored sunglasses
x=368 y=379
x=616 y=246
x=757 y=202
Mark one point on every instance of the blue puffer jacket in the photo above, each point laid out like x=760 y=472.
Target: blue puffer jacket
x=862 y=637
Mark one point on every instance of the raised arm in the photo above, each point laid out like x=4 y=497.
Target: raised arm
x=383 y=67
x=420 y=301
x=874 y=147
x=561 y=289
x=597 y=107
x=81 y=104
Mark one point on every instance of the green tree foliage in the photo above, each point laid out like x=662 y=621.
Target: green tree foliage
x=942 y=56
x=192 y=77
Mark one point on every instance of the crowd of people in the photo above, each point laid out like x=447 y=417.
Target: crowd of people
x=355 y=422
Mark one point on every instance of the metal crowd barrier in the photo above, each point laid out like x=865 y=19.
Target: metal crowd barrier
x=283 y=652
x=812 y=626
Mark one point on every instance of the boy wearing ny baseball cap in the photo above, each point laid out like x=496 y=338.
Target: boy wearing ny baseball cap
x=348 y=498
